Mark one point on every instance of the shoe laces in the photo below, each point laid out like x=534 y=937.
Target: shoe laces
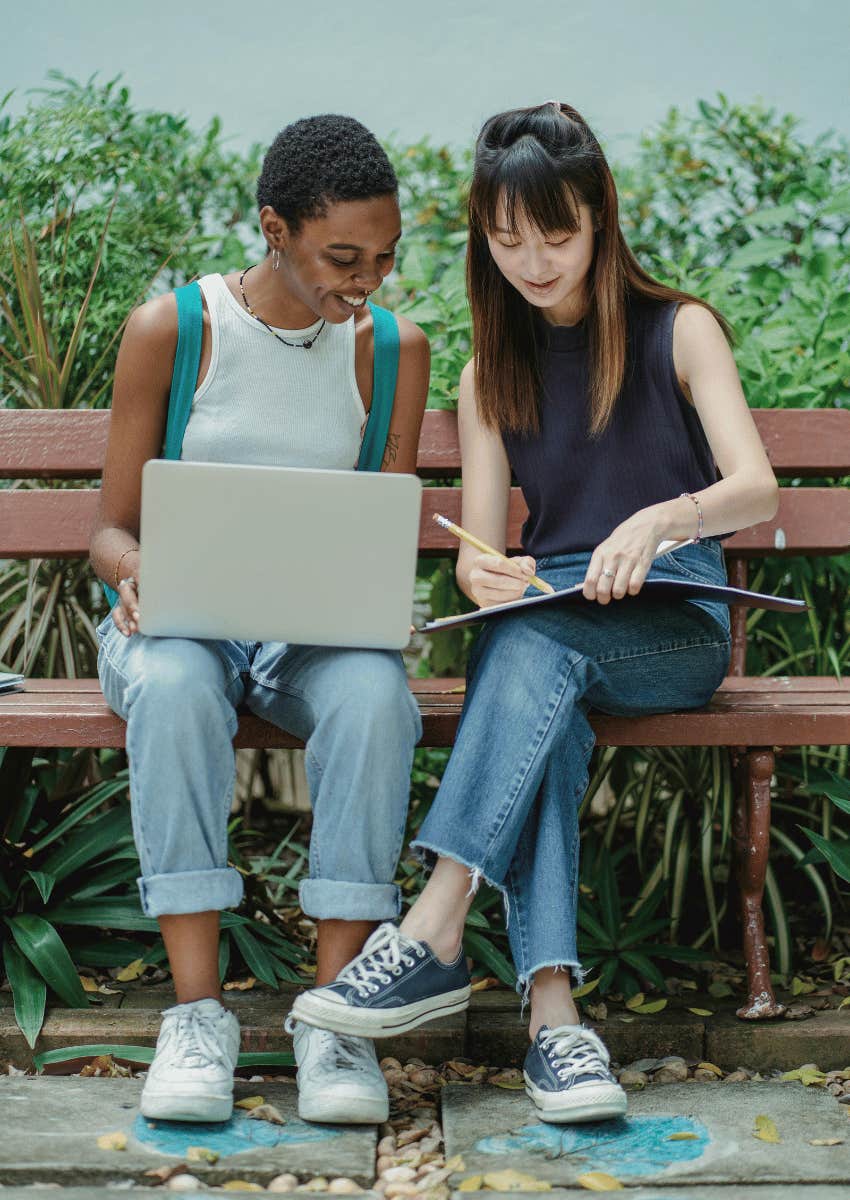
x=573 y=1050
x=196 y=1040
x=385 y=954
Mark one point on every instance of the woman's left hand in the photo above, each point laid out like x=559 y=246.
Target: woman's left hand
x=619 y=565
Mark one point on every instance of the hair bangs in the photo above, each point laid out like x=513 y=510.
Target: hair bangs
x=532 y=190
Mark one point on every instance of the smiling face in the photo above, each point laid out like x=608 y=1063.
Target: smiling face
x=332 y=263
x=548 y=268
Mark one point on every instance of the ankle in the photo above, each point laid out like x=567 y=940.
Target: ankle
x=443 y=939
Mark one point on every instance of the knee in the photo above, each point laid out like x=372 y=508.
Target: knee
x=176 y=678
x=374 y=693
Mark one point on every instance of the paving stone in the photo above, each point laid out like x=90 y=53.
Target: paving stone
x=495 y=1130
x=499 y=1037
x=51 y=1126
x=814 y=1191
x=765 y=1045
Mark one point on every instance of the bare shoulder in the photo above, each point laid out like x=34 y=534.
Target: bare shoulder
x=696 y=327
x=412 y=341
x=153 y=325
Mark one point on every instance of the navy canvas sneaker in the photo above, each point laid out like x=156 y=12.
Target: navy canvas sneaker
x=395 y=984
x=567 y=1076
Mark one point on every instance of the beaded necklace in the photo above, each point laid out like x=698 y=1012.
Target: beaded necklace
x=295 y=345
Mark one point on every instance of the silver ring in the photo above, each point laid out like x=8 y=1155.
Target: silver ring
x=129 y=579
x=610 y=574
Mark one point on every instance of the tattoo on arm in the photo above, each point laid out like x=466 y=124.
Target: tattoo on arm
x=391 y=448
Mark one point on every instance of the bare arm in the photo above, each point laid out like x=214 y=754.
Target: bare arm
x=411 y=395
x=486 y=496
x=139 y=412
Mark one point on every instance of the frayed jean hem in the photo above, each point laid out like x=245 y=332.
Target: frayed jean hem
x=346 y=900
x=180 y=892
x=524 y=982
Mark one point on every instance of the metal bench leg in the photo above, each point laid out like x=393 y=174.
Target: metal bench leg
x=752 y=838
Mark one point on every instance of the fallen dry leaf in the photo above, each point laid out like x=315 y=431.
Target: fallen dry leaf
x=808 y=1076
x=112 y=1141
x=684 y=1136
x=89 y=984
x=707 y=1066
x=471 y=1184
x=484 y=985
x=799 y=1012
x=514 y=1181
x=133 y=970
x=800 y=987
x=599 y=1181
x=827 y=1142
x=250 y=1102
x=266 y=1112
x=634 y=1002
x=240 y=1185
x=201 y=1154
x=845 y=1003
x=701 y=1012
x=586 y=988
x=240 y=985
x=597 y=1012
x=766 y=1130
x=654 y=1006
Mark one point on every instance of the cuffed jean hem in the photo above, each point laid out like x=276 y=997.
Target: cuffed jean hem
x=345 y=900
x=190 y=892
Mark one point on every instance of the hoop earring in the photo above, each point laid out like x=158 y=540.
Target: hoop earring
x=275 y=260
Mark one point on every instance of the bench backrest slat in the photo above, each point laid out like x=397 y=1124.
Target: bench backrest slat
x=55 y=523
x=72 y=444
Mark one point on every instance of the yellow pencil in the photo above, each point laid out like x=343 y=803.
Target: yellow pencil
x=533 y=580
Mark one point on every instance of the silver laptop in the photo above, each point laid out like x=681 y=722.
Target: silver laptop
x=281 y=554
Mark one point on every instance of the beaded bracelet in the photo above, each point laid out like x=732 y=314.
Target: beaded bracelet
x=695 y=499
x=118 y=564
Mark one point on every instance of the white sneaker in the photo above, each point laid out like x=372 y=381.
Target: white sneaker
x=191 y=1076
x=339 y=1080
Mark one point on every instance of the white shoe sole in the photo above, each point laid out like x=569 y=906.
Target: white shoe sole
x=377 y=1022
x=332 y=1109
x=186 y=1106
x=585 y=1102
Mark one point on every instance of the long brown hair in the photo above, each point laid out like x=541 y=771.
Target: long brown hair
x=542 y=162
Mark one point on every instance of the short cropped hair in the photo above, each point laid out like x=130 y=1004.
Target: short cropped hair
x=319 y=161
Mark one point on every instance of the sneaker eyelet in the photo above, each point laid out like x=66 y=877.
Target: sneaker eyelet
x=420 y=953
x=397 y=971
x=374 y=989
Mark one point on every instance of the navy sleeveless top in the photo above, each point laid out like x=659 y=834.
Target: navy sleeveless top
x=578 y=488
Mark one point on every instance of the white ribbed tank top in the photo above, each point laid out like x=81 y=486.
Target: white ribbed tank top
x=273 y=405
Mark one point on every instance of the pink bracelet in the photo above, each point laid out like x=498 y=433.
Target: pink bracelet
x=695 y=499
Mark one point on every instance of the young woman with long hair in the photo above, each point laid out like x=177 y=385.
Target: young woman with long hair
x=288 y=371
x=616 y=404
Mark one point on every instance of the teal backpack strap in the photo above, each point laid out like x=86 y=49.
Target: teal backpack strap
x=187 y=358
x=385 y=374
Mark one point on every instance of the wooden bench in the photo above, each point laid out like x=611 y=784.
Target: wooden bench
x=753 y=717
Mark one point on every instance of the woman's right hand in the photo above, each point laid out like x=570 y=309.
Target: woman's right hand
x=125 y=614
x=494 y=580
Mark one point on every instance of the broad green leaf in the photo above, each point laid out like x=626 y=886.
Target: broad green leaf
x=757 y=252
x=29 y=991
x=256 y=956
x=482 y=950
x=837 y=855
x=41 y=944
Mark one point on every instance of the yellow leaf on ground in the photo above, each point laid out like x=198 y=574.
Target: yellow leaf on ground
x=514 y=1181
x=201 y=1154
x=654 y=1006
x=266 y=1112
x=599 y=1181
x=455 y=1163
x=471 y=1184
x=634 y=1002
x=112 y=1141
x=808 y=1076
x=240 y=1185
x=240 y=985
x=684 y=1136
x=586 y=988
x=250 y=1102
x=483 y=985
x=133 y=970
x=827 y=1142
x=701 y=1012
x=766 y=1130
x=799 y=987
x=845 y=1003
x=707 y=1066
x=89 y=984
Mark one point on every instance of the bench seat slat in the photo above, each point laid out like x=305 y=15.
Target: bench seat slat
x=793 y=711
x=41 y=523
x=72 y=444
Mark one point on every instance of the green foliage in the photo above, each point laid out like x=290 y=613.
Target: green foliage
x=180 y=198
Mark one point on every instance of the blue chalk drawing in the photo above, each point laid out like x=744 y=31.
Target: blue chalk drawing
x=229 y=1137
x=631 y=1146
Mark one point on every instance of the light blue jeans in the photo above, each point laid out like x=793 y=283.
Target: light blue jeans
x=507 y=807
x=352 y=708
